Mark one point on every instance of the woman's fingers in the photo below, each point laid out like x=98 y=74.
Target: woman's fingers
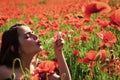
x=59 y=43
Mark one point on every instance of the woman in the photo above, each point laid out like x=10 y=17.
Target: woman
x=20 y=42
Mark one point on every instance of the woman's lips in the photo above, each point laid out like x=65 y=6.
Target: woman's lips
x=39 y=43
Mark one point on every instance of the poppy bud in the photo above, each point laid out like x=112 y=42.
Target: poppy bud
x=13 y=76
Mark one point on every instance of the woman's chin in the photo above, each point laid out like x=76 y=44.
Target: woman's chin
x=40 y=49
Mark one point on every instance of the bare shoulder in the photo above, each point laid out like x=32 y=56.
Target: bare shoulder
x=4 y=72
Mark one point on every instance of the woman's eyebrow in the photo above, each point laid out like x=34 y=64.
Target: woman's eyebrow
x=27 y=33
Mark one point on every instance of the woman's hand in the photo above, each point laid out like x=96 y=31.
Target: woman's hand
x=58 y=45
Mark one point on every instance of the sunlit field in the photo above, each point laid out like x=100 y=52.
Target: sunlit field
x=90 y=29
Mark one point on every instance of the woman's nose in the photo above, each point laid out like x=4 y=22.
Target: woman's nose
x=35 y=37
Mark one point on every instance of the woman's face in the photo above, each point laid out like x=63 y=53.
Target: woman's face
x=29 y=42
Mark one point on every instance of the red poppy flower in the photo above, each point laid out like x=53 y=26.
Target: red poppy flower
x=84 y=37
x=84 y=60
x=95 y=7
x=100 y=34
x=91 y=64
x=75 y=53
x=57 y=16
x=28 y=21
x=88 y=28
x=2 y=23
x=44 y=53
x=42 y=32
x=68 y=16
x=38 y=26
x=115 y=17
x=102 y=54
x=103 y=22
x=76 y=39
x=47 y=66
x=55 y=24
x=4 y=18
x=91 y=55
x=109 y=37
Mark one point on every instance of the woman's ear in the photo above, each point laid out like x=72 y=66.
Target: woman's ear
x=12 y=48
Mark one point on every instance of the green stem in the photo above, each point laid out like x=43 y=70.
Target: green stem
x=46 y=76
x=13 y=66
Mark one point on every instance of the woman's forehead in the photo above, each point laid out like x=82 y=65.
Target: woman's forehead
x=24 y=29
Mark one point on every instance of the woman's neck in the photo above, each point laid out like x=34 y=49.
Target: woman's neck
x=26 y=59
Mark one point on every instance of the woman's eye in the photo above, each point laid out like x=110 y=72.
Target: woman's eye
x=31 y=36
x=27 y=36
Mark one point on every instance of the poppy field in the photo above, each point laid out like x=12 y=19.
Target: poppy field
x=90 y=29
